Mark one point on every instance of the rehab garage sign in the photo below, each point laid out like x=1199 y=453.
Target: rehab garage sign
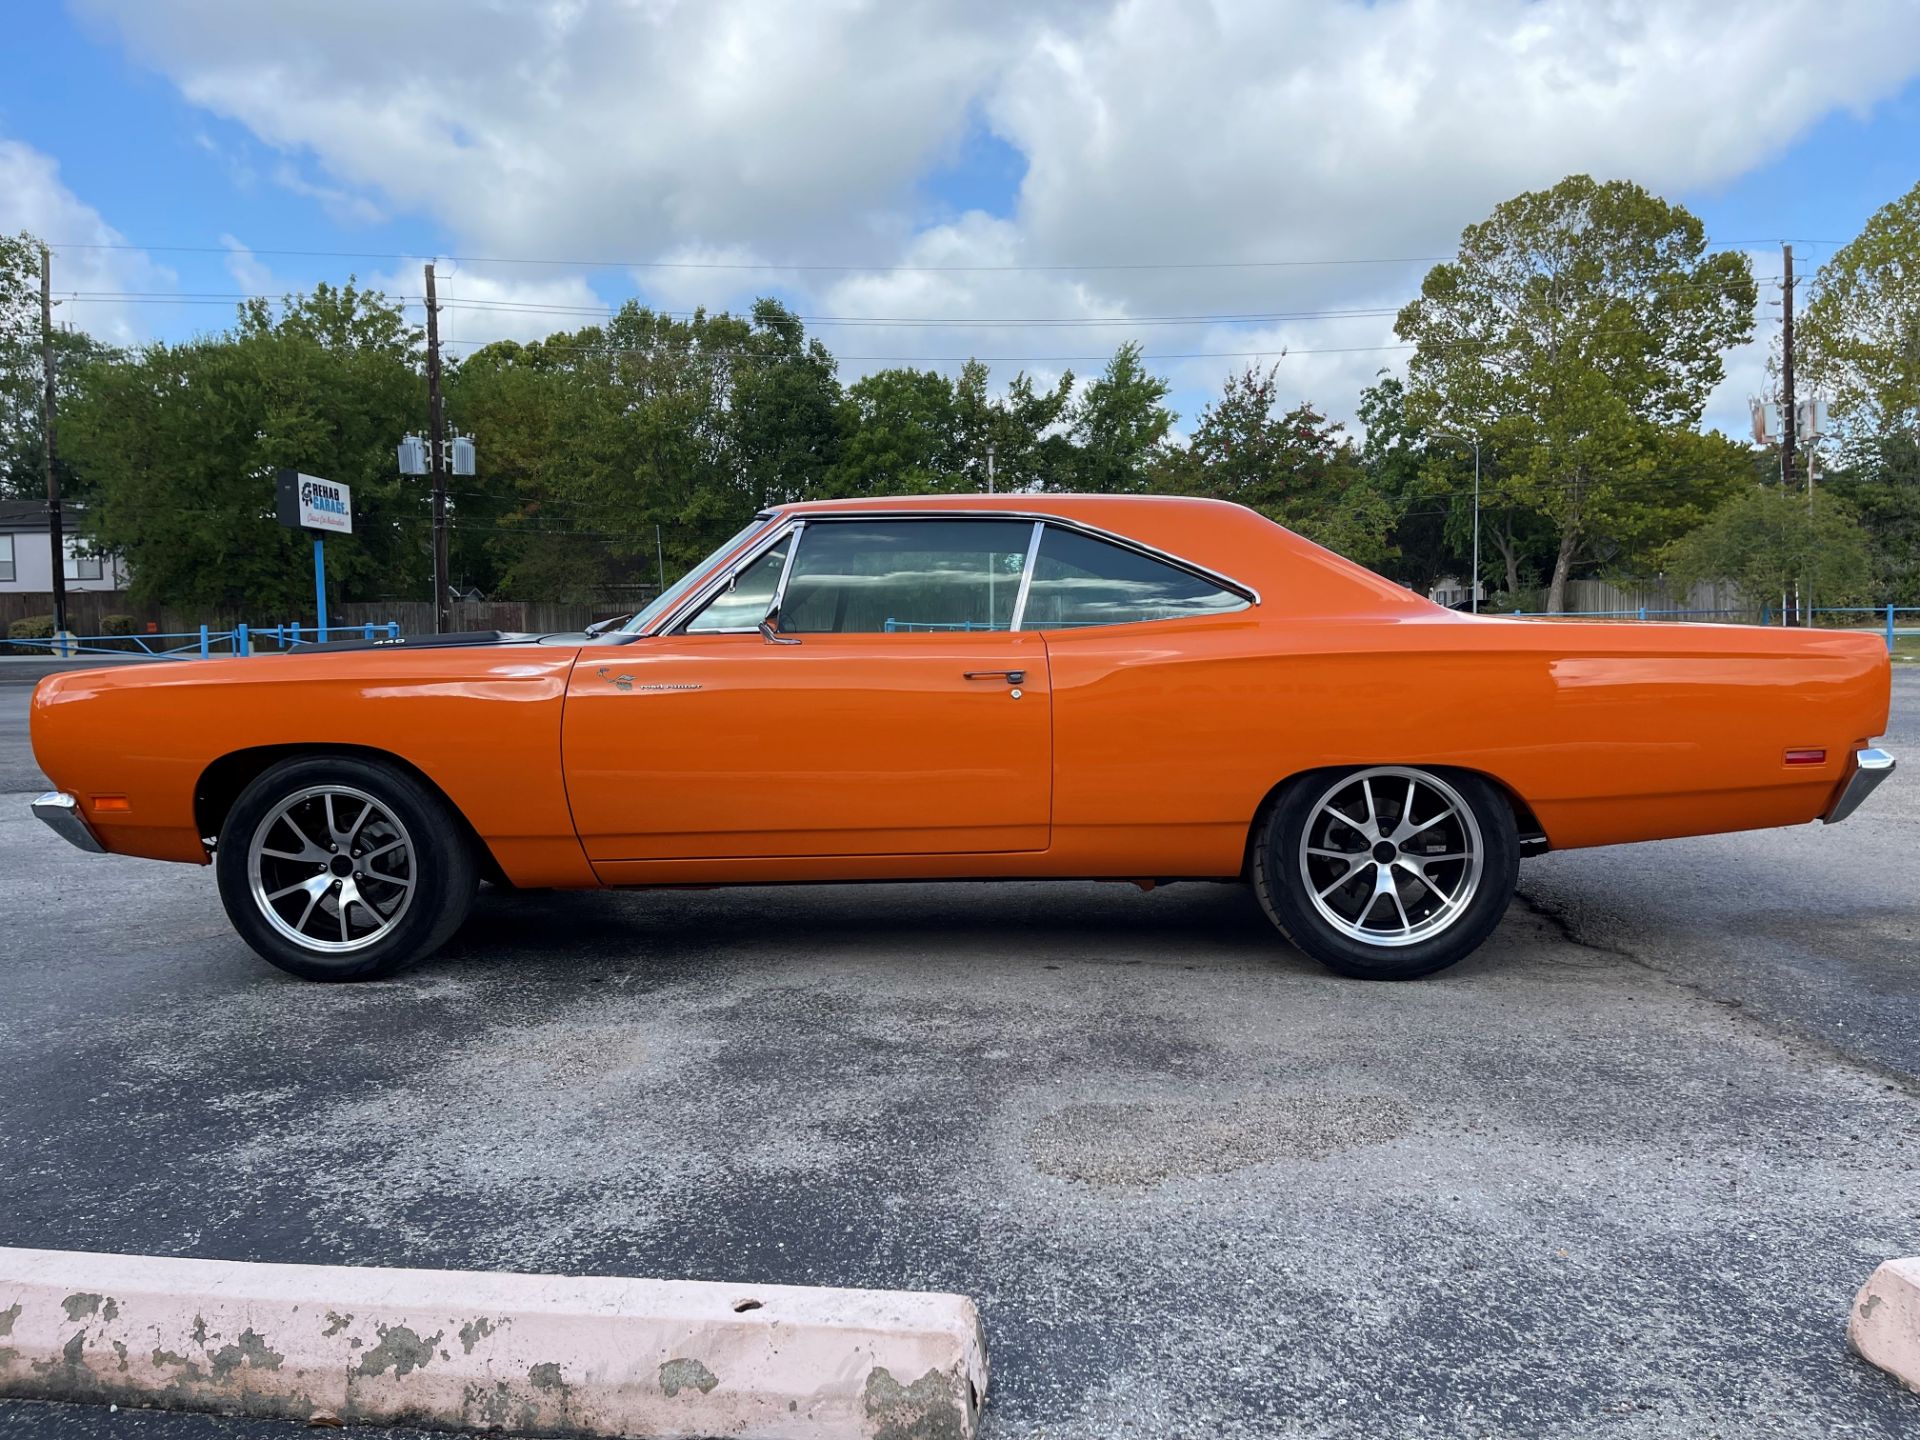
x=307 y=502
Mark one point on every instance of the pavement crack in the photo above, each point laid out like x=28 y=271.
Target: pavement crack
x=1802 y=1043
x=1559 y=921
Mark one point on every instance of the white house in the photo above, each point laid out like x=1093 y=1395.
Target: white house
x=1451 y=591
x=26 y=554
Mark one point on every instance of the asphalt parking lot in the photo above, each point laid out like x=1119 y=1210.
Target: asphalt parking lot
x=1618 y=1174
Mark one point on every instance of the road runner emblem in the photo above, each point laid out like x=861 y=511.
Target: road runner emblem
x=625 y=682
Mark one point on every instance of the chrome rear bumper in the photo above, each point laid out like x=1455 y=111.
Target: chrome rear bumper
x=1870 y=767
x=62 y=812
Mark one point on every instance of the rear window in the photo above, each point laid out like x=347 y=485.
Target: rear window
x=1079 y=581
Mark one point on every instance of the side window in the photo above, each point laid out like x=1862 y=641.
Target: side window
x=6 y=557
x=1080 y=581
x=743 y=606
x=869 y=576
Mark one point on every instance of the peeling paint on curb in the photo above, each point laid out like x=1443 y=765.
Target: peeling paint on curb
x=549 y=1354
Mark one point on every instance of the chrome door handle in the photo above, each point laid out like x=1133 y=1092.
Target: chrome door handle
x=1012 y=677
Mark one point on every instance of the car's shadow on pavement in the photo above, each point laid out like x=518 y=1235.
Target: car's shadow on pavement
x=565 y=935
x=1185 y=924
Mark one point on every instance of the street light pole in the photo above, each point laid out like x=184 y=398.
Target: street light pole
x=1473 y=581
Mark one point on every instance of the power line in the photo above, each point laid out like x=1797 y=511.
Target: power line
x=775 y=266
x=604 y=308
x=87 y=297
x=696 y=350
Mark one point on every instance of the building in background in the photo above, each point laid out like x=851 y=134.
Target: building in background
x=1451 y=591
x=25 y=558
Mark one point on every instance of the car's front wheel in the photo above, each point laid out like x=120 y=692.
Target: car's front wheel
x=335 y=867
x=1388 y=872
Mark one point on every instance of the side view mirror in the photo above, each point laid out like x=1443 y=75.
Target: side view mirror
x=770 y=627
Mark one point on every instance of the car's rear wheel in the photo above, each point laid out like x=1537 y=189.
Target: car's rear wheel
x=1388 y=872
x=342 y=868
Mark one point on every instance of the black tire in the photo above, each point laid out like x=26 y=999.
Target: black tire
x=1282 y=866
x=397 y=922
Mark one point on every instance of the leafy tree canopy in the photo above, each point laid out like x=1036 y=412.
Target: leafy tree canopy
x=1859 y=340
x=179 y=444
x=1578 y=331
x=1769 y=540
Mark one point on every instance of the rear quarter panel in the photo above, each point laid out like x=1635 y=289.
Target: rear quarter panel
x=1169 y=736
x=482 y=724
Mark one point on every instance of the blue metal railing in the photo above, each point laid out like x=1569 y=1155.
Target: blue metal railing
x=1885 y=618
x=206 y=643
x=1639 y=613
x=892 y=626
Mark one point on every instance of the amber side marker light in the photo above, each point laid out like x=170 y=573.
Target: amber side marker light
x=1806 y=757
x=109 y=804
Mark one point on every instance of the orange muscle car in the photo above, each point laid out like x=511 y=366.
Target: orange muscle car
x=978 y=687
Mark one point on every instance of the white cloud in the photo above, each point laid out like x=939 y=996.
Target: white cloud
x=252 y=277
x=343 y=207
x=798 y=131
x=32 y=198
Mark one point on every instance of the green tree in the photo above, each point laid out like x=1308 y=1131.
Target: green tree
x=1858 y=341
x=177 y=448
x=1423 y=488
x=1024 y=429
x=784 y=412
x=1117 y=428
x=1858 y=344
x=1579 y=331
x=1768 y=540
x=1879 y=476
x=903 y=437
x=514 y=532
x=22 y=428
x=1297 y=468
x=598 y=445
x=20 y=368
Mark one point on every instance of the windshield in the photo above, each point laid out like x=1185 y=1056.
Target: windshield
x=674 y=593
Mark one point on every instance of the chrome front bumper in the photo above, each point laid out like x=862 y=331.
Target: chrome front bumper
x=1870 y=767
x=62 y=812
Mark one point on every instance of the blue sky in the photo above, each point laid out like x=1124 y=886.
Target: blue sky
x=176 y=133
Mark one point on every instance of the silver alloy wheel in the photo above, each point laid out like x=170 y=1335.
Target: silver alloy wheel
x=1391 y=856
x=332 y=868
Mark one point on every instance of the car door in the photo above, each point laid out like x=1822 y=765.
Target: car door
x=892 y=712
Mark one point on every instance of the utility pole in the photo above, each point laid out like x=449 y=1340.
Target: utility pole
x=1473 y=583
x=56 y=530
x=437 y=463
x=1788 y=420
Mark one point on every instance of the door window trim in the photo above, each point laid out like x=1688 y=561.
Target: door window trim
x=676 y=620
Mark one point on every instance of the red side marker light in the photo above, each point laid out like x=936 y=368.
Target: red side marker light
x=1806 y=757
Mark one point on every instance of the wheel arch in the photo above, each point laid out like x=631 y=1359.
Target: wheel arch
x=1533 y=839
x=222 y=782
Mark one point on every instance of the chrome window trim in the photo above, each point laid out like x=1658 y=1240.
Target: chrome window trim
x=696 y=599
x=793 y=523
x=799 y=533
x=1026 y=576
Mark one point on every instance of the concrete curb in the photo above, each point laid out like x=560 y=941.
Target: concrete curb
x=1884 y=1326
x=472 y=1350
